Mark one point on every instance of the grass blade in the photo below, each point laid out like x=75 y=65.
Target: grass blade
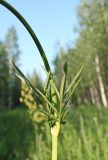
x=65 y=113
x=35 y=90
x=47 y=82
x=55 y=88
x=73 y=90
x=63 y=83
x=73 y=81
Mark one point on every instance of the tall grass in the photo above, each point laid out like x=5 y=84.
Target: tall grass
x=81 y=141
x=85 y=140
x=17 y=135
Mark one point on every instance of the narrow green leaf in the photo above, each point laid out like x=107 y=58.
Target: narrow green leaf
x=69 y=96
x=46 y=91
x=73 y=90
x=47 y=82
x=63 y=83
x=35 y=90
x=73 y=81
x=30 y=30
x=53 y=95
x=46 y=100
x=65 y=113
x=55 y=88
x=46 y=113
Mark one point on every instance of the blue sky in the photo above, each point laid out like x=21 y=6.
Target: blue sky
x=52 y=21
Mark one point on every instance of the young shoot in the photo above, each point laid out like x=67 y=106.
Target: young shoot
x=55 y=102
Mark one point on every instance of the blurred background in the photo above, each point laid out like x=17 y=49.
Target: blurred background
x=72 y=31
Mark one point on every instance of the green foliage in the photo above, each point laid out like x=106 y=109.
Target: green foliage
x=91 y=43
x=9 y=50
x=54 y=104
x=3 y=75
x=16 y=135
x=85 y=136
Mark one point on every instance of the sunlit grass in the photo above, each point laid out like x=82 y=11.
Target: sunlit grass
x=86 y=139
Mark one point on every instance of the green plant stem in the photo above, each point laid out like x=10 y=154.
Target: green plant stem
x=30 y=30
x=54 y=133
x=54 y=147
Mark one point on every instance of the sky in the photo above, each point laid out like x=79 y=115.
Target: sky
x=52 y=21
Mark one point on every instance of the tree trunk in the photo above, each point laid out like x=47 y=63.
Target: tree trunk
x=101 y=85
x=97 y=99
x=92 y=95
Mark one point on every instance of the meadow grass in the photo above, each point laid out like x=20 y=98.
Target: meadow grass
x=84 y=139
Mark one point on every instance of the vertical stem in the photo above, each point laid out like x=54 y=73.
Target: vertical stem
x=54 y=147
x=54 y=133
